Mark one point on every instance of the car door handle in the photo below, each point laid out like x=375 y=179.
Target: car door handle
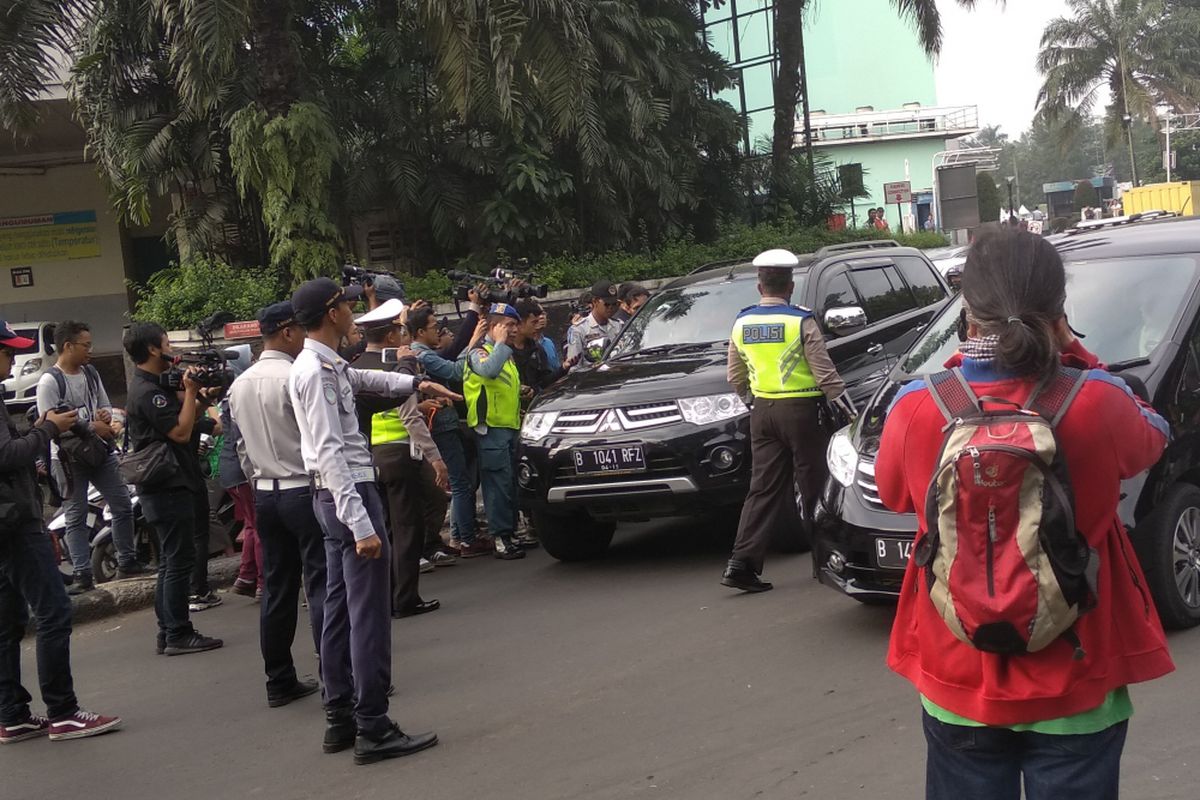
x=920 y=327
x=875 y=349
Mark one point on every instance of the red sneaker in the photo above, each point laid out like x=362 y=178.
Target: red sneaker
x=33 y=727
x=81 y=725
x=475 y=549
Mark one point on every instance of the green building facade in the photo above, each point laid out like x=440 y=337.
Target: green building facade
x=872 y=92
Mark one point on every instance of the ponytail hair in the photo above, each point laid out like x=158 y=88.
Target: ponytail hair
x=1014 y=286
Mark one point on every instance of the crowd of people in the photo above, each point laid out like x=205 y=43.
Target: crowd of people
x=348 y=442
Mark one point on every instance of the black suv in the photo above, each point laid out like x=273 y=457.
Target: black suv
x=654 y=429
x=1133 y=292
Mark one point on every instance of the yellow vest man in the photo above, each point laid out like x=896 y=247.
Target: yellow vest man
x=778 y=363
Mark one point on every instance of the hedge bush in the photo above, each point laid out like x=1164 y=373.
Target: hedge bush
x=183 y=294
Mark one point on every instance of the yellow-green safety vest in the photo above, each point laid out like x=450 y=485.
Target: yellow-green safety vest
x=496 y=400
x=771 y=343
x=387 y=427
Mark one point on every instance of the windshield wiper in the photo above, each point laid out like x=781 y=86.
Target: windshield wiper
x=678 y=347
x=1128 y=364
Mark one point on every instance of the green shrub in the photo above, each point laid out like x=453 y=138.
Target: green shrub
x=181 y=295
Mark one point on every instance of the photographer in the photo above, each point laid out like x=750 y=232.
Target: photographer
x=86 y=454
x=29 y=578
x=177 y=504
x=530 y=356
x=599 y=323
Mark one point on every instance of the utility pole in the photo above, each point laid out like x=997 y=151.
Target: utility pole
x=1128 y=120
x=1167 y=155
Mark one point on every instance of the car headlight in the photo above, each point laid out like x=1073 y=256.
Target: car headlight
x=31 y=366
x=842 y=457
x=711 y=408
x=537 y=425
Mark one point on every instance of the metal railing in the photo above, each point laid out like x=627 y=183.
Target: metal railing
x=829 y=129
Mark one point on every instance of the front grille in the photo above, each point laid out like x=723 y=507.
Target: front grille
x=660 y=465
x=865 y=480
x=623 y=418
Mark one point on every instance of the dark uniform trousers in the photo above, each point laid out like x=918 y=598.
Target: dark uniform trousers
x=356 y=638
x=415 y=507
x=788 y=449
x=293 y=550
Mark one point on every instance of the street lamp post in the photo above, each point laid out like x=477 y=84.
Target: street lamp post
x=1011 y=179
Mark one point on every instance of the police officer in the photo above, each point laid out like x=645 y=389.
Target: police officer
x=600 y=323
x=777 y=356
x=356 y=643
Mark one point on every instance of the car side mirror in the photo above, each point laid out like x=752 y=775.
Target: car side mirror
x=845 y=320
x=593 y=351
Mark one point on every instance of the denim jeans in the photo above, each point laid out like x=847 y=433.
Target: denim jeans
x=201 y=533
x=172 y=514
x=29 y=576
x=462 y=488
x=108 y=482
x=989 y=763
x=497 y=469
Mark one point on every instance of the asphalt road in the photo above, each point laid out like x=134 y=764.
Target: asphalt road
x=635 y=676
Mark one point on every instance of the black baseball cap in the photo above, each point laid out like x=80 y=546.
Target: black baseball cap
x=604 y=290
x=313 y=298
x=276 y=317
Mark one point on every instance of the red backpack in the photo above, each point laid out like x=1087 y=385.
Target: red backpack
x=1004 y=563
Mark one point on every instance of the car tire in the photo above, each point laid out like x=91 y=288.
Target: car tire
x=1175 y=521
x=573 y=537
x=104 y=561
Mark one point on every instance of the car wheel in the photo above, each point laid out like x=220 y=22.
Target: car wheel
x=1168 y=547
x=573 y=537
x=104 y=562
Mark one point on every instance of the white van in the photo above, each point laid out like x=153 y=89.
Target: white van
x=20 y=391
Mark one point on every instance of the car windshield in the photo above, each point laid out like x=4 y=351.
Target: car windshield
x=694 y=314
x=1123 y=315
x=27 y=333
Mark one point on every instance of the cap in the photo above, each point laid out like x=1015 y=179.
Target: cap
x=504 y=309
x=604 y=290
x=9 y=338
x=275 y=317
x=777 y=258
x=313 y=298
x=388 y=288
x=383 y=316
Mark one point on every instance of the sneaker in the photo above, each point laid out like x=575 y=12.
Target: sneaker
x=527 y=540
x=507 y=549
x=426 y=566
x=197 y=603
x=443 y=559
x=475 y=549
x=81 y=725
x=243 y=587
x=33 y=727
x=160 y=644
x=82 y=584
x=134 y=570
x=194 y=642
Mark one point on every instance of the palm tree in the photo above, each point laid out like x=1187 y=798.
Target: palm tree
x=791 y=82
x=1144 y=52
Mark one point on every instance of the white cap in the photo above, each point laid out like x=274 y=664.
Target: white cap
x=776 y=258
x=387 y=312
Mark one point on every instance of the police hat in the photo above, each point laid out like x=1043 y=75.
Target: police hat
x=276 y=317
x=604 y=290
x=505 y=310
x=314 y=298
x=382 y=317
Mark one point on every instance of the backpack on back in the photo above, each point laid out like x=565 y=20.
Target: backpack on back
x=1004 y=563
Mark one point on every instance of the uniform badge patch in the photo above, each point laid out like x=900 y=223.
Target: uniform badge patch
x=159 y=400
x=771 y=333
x=330 y=392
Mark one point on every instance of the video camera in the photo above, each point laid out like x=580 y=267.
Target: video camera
x=207 y=363
x=496 y=286
x=358 y=276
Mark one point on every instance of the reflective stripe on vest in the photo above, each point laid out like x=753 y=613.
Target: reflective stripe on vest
x=387 y=427
x=771 y=343
x=500 y=397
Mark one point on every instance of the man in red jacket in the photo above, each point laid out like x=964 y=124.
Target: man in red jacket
x=1055 y=719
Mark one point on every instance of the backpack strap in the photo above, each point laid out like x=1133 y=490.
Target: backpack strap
x=1052 y=397
x=61 y=381
x=953 y=394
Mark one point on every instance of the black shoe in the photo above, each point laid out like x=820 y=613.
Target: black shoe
x=301 y=689
x=423 y=607
x=194 y=642
x=340 y=729
x=739 y=576
x=393 y=743
x=132 y=571
x=160 y=644
x=507 y=549
x=83 y=583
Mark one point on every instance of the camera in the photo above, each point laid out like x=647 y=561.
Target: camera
x=495 y=287
x=208 y=365
x=357 y=276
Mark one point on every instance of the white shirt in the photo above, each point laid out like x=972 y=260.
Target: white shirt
x=268 y=437
x=322 y=387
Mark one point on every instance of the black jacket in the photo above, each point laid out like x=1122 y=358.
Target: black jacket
x=20 y=503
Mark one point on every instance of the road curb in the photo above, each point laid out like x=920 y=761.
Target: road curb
x=123 y=597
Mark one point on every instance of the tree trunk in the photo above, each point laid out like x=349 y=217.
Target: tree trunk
x=789 y=47
x=276 y=56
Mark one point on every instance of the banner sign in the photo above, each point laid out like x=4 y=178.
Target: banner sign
x=63 y=236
